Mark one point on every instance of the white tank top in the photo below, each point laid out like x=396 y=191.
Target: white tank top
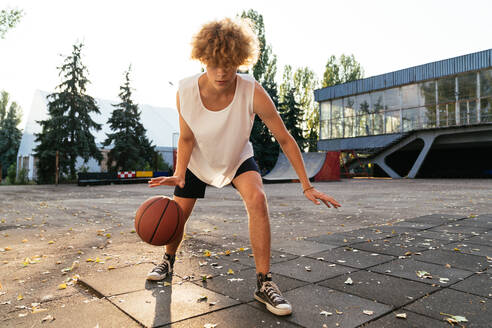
x=222 y=137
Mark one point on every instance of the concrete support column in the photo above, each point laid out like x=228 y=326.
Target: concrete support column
x=428 y=141
x=388 y=170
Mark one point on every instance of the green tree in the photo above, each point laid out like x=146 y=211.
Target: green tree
x=10 y=135
x=341 y=70
x=131 y=150
x=290 y=108
x=305 y=82
x=68 y=127
x=8 y=19
x=265 y=147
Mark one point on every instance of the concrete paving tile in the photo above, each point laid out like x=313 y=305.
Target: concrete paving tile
x=466 y=246
x=380 y=232
x=417 y=224
x=247 y=258
x=453 y=302
x=479 y=284
x=408 y=268
x=457 y=227
x=68 y=312
x=482 y=222
x=299 y=247
x=195 y=267
x=413 y=320
x=241 y=286
x=352 y=257
x=444 y=217
x=444 y=236
x=455 y=259
x=483 y=239
x=309 y=301
x=157 y=307
x=319 y=270
x=399 y=245
x=123 y=280
x=237 y=316
x=336 y=239
x=380 y=287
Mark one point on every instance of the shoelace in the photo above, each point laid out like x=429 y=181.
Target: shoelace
x=162 y=267
x=272 y=291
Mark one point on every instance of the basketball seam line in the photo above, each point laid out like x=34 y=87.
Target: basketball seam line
x=179 y=220
x=160 y=219
x=138 y=227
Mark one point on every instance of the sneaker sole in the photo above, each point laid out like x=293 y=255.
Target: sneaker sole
x=273 y=309
x=157 y=278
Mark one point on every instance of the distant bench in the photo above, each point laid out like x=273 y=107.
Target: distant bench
x=122 y=177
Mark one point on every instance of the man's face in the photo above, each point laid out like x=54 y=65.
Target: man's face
x=221 y=77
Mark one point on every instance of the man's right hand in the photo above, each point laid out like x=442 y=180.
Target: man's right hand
x=167 y=181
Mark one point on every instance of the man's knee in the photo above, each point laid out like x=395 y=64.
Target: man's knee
x=256 y=198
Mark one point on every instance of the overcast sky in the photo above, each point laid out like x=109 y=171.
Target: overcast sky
x=154 y=37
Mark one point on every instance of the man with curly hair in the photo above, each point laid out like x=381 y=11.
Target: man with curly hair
x=216 y=114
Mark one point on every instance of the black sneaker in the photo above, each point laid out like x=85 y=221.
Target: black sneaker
x=162 y=270
x=268 y=293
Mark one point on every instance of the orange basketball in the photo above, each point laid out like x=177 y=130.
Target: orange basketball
x=159 y=220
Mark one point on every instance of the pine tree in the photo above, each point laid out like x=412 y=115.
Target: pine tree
x=10 y=135
x=265 y=147
x=131 y=148
x=292 y=115
x=68 y=128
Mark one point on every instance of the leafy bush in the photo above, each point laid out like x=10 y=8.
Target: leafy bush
x=11 y=172
x=22 y=177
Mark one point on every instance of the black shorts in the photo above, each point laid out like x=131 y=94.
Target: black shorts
x=195 y=188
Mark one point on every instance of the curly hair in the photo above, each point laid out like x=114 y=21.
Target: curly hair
x=226 y=43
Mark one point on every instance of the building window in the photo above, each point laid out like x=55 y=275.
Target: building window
x=486 y=83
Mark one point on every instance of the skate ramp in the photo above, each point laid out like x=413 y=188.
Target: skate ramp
x=283 y=170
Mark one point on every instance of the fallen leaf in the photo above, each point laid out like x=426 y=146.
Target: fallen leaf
x=51 y=242
x=401 y=315
x=454 y=318
x=62 y=286
x=348 y=281
x=230 y=271
x=207 y=253
x=325 y=313
x=227 y=252
x=423 y=274
x=167 y=284
x=20 y=297
x=24 y=240
x=89 y=260
x=37 y=310
x=49 y=317
x=368 y=312
x=111 y=267
x=202 y=298
x=338 y=312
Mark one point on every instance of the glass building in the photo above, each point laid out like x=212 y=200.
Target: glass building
x=375 y=112
x=416 y=98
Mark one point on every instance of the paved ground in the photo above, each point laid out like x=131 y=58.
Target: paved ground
x=69 y=257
